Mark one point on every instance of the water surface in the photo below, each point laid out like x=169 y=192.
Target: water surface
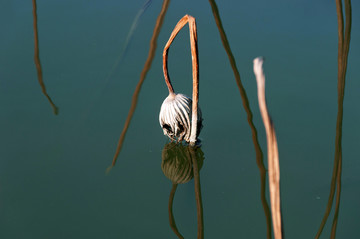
x=53 y=181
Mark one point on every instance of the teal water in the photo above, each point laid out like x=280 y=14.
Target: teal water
x=53 y=180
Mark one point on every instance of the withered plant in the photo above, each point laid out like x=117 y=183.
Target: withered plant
x=176 y=109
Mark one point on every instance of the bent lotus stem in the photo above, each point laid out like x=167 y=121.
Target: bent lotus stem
x=195 y=69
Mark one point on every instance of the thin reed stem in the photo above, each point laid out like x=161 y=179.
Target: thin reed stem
x=37 y=59
x=273 y=154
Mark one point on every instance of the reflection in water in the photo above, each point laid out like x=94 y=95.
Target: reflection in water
x=176 y=163
x=144 y=72
x=171 y=215
x=245 y=101
x=129 y=37
x=180 y=163
x=37 y=60
x=343 y=50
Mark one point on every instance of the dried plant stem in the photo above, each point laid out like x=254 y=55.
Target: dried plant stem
x=273 y=155
x=37 y=59
x=159 y=22
x=195 y=68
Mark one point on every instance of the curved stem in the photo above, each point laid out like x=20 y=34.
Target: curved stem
x=176 y=30
x=195 y=68
x=171 y=215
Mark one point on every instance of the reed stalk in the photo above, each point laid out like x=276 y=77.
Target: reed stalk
x=272 y=150
x=37 y=59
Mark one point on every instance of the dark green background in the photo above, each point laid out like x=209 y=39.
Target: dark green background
x=52 y=168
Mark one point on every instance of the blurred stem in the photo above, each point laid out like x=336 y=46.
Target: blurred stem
x=199 y=207
x=37 y=59
x=343 y=50
x=153 y=44
x=171 y=215
x=246 y=105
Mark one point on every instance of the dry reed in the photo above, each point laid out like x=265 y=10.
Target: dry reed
x=272 y=150
x=37 y=59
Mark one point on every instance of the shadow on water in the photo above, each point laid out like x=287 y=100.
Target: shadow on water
x=343 y=50
x=180 y=163
x=37 y=59
x=144 y=72
x=129 y=37
x=245 y=101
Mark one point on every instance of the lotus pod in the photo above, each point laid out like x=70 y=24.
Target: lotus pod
x=175 y=117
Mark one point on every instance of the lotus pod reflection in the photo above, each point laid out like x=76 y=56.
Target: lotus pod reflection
x=175 y=118
x=177 y=162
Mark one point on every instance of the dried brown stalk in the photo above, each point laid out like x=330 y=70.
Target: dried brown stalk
x=37 y=60
x=273 y=155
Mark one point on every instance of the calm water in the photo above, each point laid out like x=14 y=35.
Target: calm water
x=53 y=180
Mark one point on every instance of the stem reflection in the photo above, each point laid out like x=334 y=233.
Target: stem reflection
x=37 y=59
x=343 y=51
x=144 y=72
x=180 y=163
x=245 y=101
